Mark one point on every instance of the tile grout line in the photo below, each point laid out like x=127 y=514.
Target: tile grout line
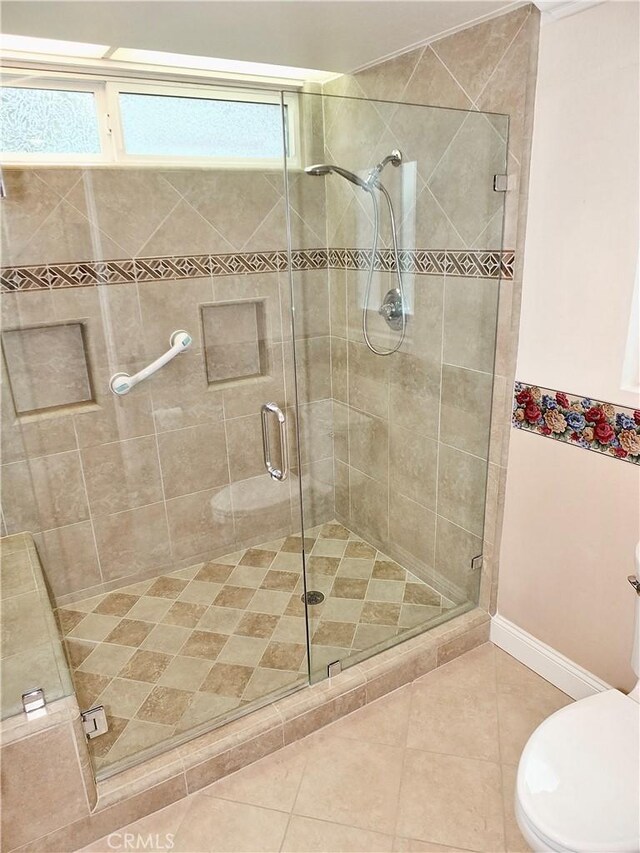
x=89 y=510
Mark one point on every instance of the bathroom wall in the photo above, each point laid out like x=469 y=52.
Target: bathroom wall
x=169 y=475
x=572 y=516
x=411 y=442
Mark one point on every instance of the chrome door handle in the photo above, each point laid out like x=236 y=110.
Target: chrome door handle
x=275 y=473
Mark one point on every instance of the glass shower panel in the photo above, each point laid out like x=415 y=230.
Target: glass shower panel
x=173 y=557
x=406 y=399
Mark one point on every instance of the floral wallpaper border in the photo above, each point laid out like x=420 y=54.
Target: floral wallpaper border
x=472 y=263
x=581 y=421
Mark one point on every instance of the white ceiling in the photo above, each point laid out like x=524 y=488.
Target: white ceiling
x=332 y=35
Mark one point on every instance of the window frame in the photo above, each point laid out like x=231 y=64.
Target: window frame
x=107 y=91
x=25 y=158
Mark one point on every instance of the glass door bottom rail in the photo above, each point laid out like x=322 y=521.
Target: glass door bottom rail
x=170 y=653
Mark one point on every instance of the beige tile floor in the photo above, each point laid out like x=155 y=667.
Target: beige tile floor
x=174 y=652
x=430 y=767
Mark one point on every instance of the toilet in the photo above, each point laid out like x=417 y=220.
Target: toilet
x=578 y=784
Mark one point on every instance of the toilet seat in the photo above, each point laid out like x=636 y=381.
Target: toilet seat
x=578 y=785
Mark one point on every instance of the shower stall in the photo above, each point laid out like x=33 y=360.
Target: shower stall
x=245 y=408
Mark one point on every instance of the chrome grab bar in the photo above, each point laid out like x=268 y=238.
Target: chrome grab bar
x=275 y=473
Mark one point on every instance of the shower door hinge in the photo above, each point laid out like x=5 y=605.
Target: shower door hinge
x=33 y=700
x=334 y=668
x=476 y=562
x=94 y=722
x=500 y=183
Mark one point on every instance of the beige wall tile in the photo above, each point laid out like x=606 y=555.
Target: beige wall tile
x=200 y=523
x=244 y=444
x=125 y=204
x=132 y=541
x=369 y=443
x=339 y=369
x=234 y=202
x=193 y=459
x=30 y=202
x=312 y=300
x=313 y=368
x=317 y=494
x=461 y=488
x=432 y=83
x=466 y=409
x=41 y=437
x=413 y=462
x=469 y=322
x=414 y=394
x=115 y=419
x=166 y=306
x=412 y=528
x=368 y=379
x=69 y=558
x=122 y=475
x=473 y=54
x=342 y=494
x=369 y=506
x=462 y=182
x=43 y=493
x=455 y=548
x=316 y=430
x=184 y=232
x=246 y=397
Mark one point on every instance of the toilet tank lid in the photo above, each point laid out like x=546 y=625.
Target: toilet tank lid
x=579 y=775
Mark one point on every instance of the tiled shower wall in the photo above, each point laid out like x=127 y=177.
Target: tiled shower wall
x=125 y=487
x=173 y=473
x=428 y=478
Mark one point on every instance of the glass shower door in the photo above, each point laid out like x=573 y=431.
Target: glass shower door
x=396 y=356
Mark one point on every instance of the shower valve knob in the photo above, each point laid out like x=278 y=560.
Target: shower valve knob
x=392 y=309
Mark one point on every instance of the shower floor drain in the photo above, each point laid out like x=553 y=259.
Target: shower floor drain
x=312 y=597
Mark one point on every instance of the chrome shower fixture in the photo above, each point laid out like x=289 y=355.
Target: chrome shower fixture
x=393 y=308
x=327 y=168
x=395 y=158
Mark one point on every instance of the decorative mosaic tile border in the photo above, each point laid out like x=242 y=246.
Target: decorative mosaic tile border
x=473 y=264
x=476 y=264
x=591 y=424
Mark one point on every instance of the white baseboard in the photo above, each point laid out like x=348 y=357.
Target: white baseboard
x=563 y=673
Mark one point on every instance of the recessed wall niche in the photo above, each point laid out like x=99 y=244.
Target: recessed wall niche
x=47 y=367
x=234 y=340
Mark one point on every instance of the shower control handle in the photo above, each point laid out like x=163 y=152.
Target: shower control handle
x=275 y=473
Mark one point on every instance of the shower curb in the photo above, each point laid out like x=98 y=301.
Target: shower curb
x=183 y=770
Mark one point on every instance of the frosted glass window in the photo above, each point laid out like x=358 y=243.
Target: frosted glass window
x=48 y=121
x=160 y=125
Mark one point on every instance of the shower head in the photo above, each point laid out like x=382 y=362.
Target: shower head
x=328 y=168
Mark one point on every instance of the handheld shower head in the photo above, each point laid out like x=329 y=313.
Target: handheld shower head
x=327 y=168
x=319 y=169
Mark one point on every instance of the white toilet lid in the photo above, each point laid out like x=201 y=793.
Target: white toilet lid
x=579 y=776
